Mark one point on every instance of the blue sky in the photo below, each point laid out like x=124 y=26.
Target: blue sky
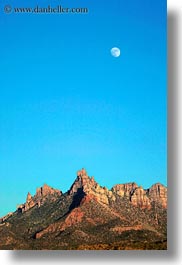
x=66 y=103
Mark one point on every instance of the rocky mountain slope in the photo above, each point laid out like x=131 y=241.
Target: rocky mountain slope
x=89 y=216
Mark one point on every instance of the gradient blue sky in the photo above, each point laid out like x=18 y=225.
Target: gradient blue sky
x=66 y=103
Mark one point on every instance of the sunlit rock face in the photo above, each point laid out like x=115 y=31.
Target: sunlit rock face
x=89 y=186
x=144 y=198
x=42 y=194
x=158 y=193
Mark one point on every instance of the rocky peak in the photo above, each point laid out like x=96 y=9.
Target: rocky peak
x=139 y=198
x=158 y=193
x=83 y=181
x=29 y=197
x=42 y=194
x=142 y=197
x=135 y=194
x=46 y=190
x=125 y=189
x=158 y=190
x=82 y=173
x=90 y=187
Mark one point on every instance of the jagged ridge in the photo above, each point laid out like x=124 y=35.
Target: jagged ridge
x=88 y=213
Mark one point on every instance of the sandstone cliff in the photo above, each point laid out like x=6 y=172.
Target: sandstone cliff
x=138 y=196
x=135 y=194
x=42 y=194
x=90 y=187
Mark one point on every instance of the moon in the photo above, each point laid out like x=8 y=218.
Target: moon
x=115 y=52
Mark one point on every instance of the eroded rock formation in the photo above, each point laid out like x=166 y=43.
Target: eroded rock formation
x=42 y=194
x=89 y=186
x=142 y=197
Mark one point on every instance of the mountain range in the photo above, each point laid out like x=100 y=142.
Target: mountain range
x=89 y=217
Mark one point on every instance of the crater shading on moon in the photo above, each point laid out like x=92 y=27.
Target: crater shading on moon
x=115 y=52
